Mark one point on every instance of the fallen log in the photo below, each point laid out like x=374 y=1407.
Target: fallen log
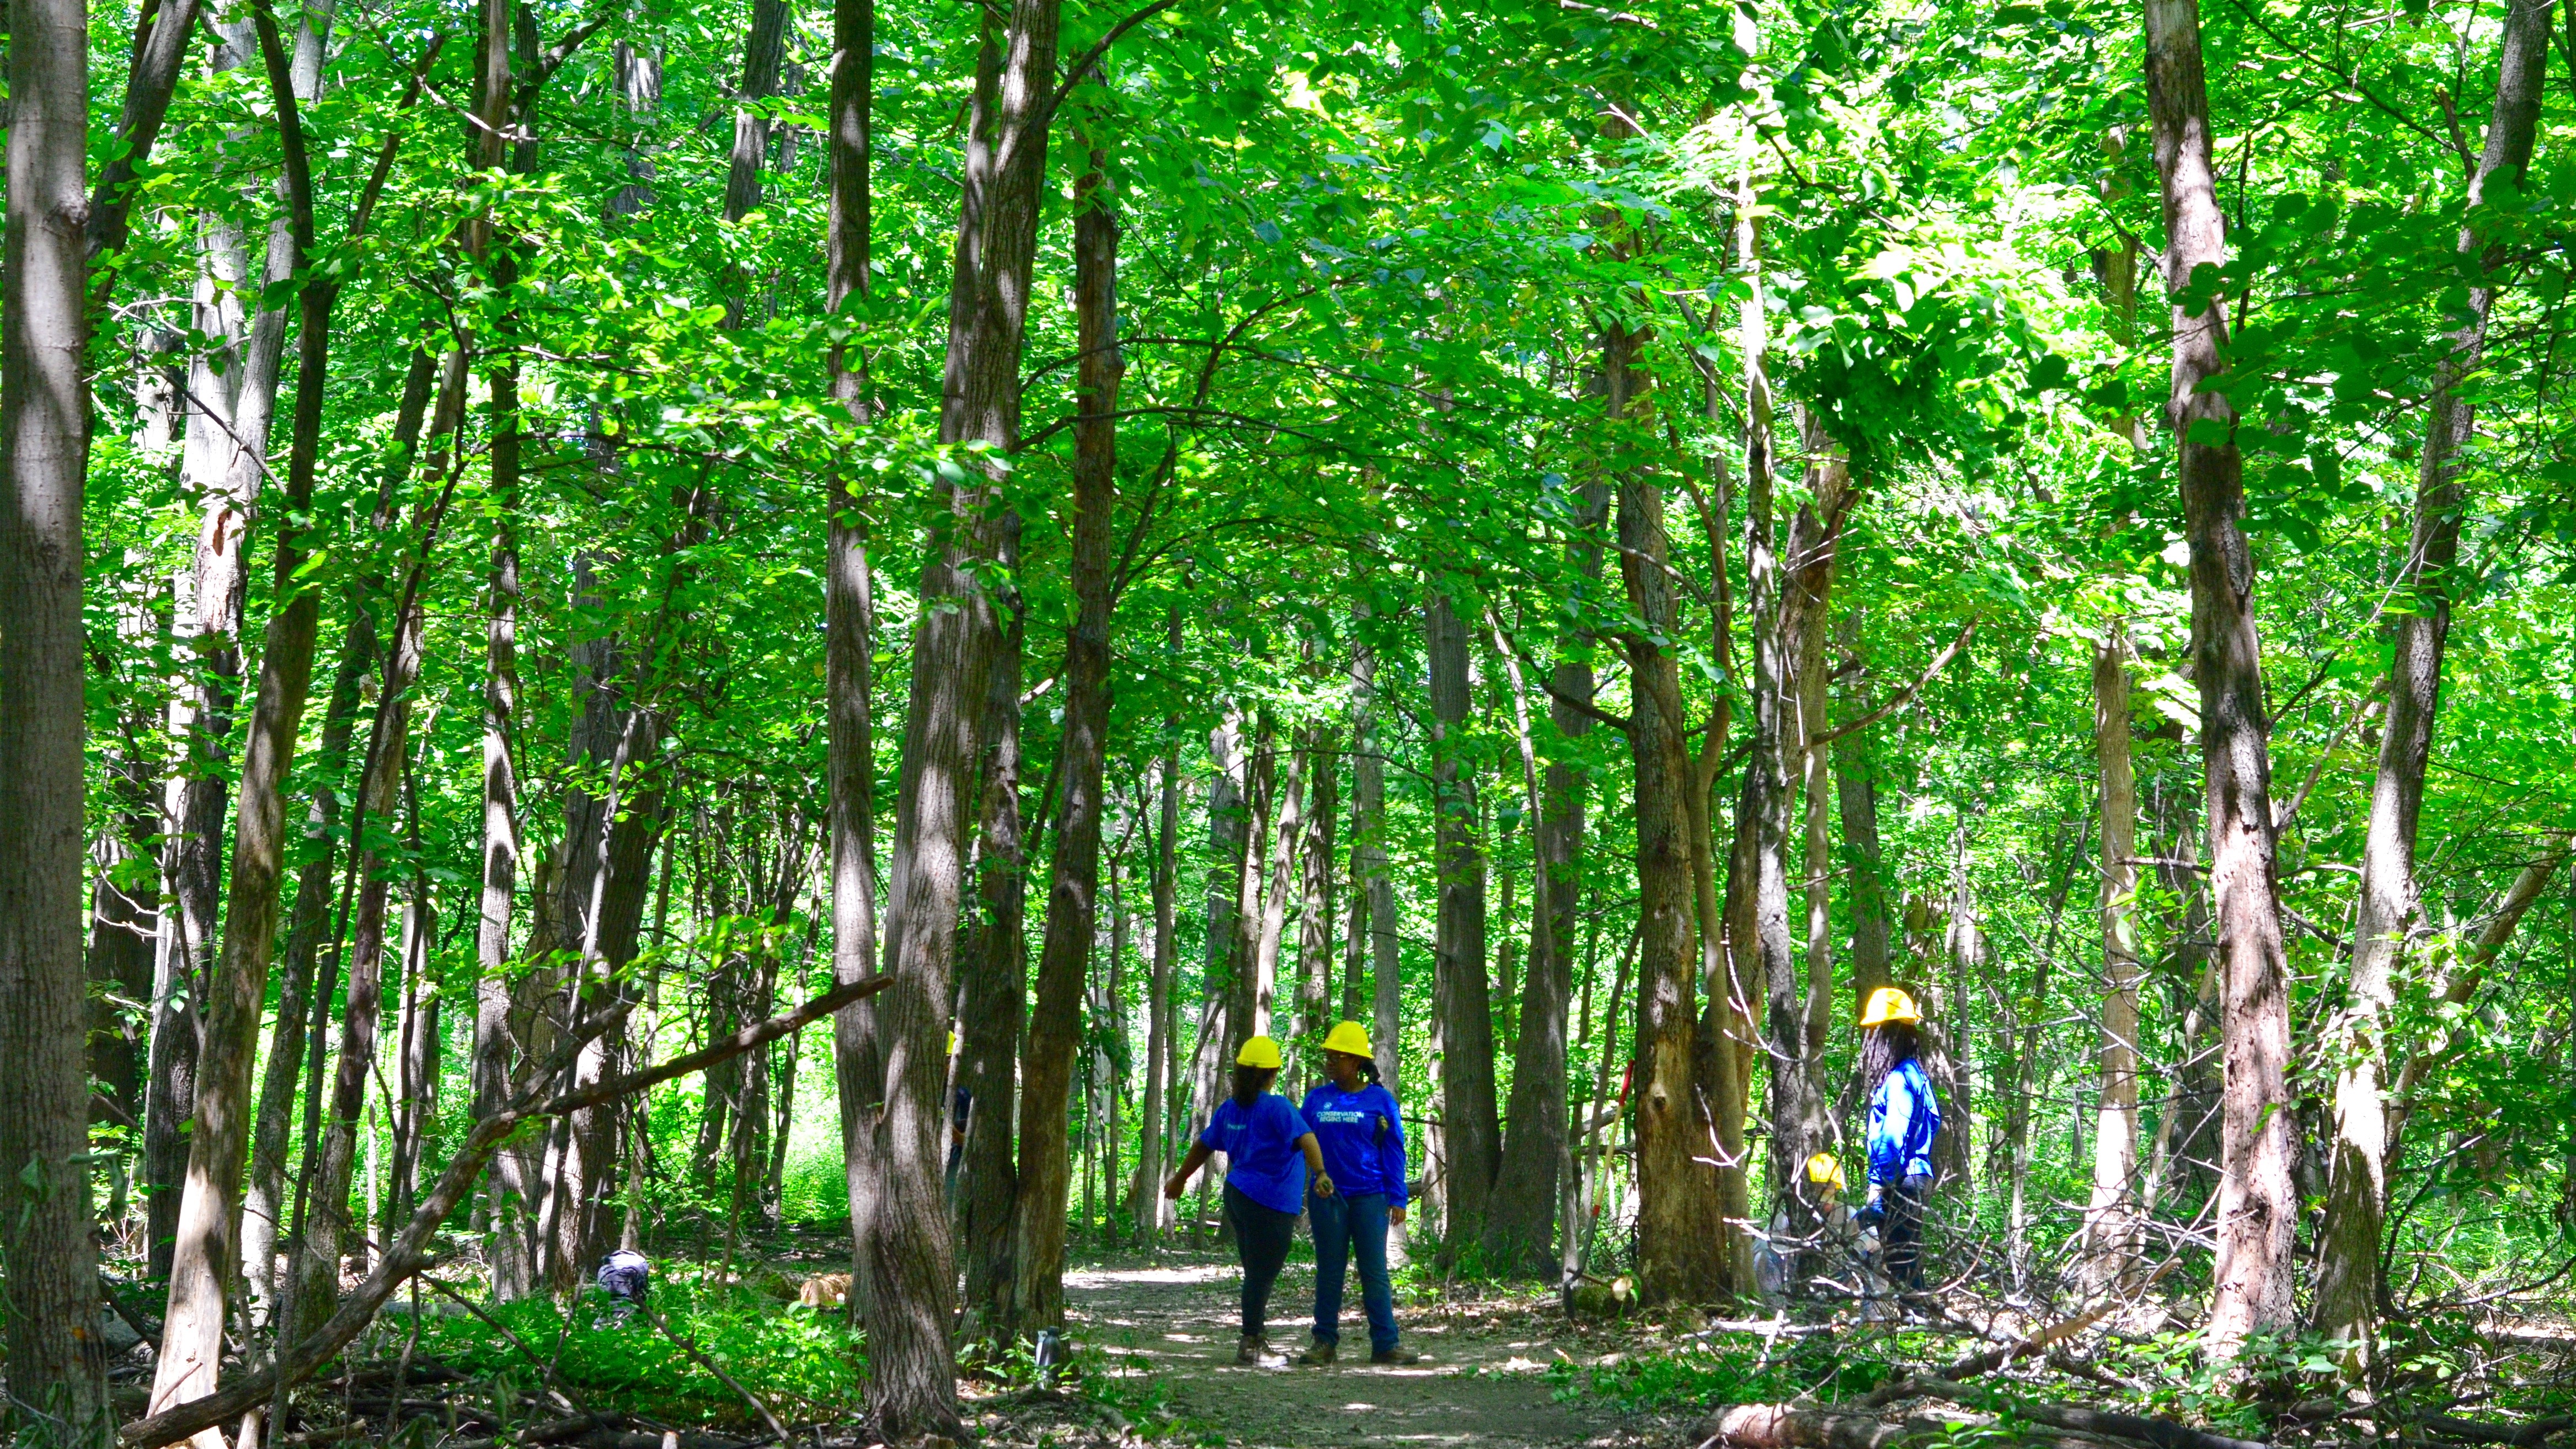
x=1786 y=1426
x=2480 y=1431
x=410 y=1251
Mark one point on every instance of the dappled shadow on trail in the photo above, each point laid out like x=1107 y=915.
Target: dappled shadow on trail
x=1172 y=1325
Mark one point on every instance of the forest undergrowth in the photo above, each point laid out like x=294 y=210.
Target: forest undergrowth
x=726 y=1356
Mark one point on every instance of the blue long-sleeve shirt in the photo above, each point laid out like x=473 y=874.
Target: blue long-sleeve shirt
x=1903 y=1120
x=1362 y=1136
x=1262 y=1158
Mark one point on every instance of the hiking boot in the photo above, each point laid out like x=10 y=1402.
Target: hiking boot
x=1251 y=1349
x=1317 y=1355
x=1395 y=1356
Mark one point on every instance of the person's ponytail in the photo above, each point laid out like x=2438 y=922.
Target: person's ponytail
x=1251 y=1082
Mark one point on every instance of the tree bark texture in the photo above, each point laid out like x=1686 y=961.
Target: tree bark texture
x=1281 y=804
x=1315 y=871
x=2258 y=1206
x=265 y=1201
x=1146 y=1204
x=849 y=612
x=2348 y=1276
x=56 y=1366
x=1681 y=1242
x=907 y=1253
x=1072 y=916
x=1376 y=884
x=511 y=1208
x=2113 y=1245
x=1471 y=1135
x=205 y=1260
x=994 y=991
x=1519 y=1229
x=1792 y=600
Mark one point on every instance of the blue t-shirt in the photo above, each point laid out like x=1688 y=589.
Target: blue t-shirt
x=1260 y=1147
x=1362 y=1134
x=1903 y=1120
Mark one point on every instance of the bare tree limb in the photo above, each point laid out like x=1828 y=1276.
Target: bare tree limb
x=410 y=1251
x=1902 y=697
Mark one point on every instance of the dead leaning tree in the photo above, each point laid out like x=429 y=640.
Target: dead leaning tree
x=410 y=1252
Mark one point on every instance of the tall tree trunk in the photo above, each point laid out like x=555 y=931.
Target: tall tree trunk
x=1471 y=1137
x=159 y=59
x=1949 y=1047
x=912 y=1387
x=1864 y=863
x=1229 y=839
x=1315 y=871
x=1376 y=883
x=511 y=1209
x=2184 y=1143
x=1229 y=842
x=2348 y=1277
x=764 y=51
x=1729 y=1038
x=265 y=1203
x=1284 y=827
x=1681 y=1242
x=994 y=990
x=2113 y=1245
x=1248 y=1008
x=226 y=464
x=849 y=611
x=1145 y=1197
x=56 y=1366
x=416 y=1061
x=1072 y=917
x=1519 y=1230
x=1792 y=600
x=2258 y=1205
x=608 y=840
x=205 y=1259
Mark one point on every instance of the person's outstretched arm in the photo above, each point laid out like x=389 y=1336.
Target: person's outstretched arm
x=1315 y=1165
x=1179 y=1181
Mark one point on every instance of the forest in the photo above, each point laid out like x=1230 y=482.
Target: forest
x=764 y=633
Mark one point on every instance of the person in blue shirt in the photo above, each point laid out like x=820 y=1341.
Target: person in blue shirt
x=1361 y=1131
x=1904 y=1117
x=1270 y=1153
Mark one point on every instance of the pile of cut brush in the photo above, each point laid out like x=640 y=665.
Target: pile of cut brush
x=381 y=1402
x=2005 y=1388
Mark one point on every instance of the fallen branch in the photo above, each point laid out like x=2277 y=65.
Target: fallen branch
x=410 y=1251
x=2479 y=1431
x=145 y=1327
x=2163 y=1433
x=1989 y=1360
x=690 y=1348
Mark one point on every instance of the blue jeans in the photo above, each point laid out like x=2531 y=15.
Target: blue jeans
x=1348 y=1227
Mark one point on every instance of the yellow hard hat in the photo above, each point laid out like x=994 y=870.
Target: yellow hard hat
x=952 y=1043
x=1823 y=1170
x=1261 y=1051
x=1349 y=1038
x=1888 y=1004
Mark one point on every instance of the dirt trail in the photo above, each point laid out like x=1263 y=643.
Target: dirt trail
x=1481 y=1383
